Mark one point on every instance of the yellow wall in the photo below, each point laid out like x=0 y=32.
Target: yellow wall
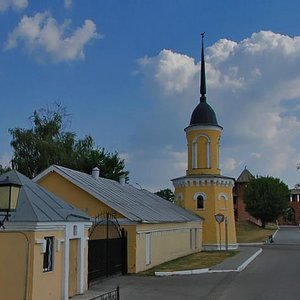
x=132 y=248
x=84 y=201
x=73 y=267
x=14 y=264
x=166 y=246
x=47 y=285
x=168 y=241
x=199 y=135
x=212 y=206
x=204 y=176
x=74 y=195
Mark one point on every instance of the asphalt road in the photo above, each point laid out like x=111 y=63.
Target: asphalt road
x=274 y=274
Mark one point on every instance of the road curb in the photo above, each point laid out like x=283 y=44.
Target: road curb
x=275 y=232
x=185 y=272
x=249 y=260
x=240 y=268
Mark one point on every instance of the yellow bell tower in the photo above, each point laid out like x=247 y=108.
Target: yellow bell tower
x=204 y=190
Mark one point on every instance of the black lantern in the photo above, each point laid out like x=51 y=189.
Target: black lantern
x=9 y=193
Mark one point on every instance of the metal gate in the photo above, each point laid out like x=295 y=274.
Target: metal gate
x=107 y=248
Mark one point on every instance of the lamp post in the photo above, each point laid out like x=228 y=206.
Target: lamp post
x=9 y=193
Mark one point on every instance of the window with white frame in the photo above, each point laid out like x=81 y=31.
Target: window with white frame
x=224 y=198
x=48 y=254
x=200 y=199
x=200 y=202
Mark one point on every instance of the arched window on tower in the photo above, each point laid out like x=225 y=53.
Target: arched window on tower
x=224 y=199
x=201 y=156
x=200 y=202
x=200 y=199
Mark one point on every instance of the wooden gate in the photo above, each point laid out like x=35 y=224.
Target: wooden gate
x=107 y=248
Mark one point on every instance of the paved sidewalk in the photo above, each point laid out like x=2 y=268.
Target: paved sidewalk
x=233 y=264
x=240 y=261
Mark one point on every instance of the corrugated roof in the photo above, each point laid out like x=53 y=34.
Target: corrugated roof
x=137 y=205
x=245 y=176
x=35 y=204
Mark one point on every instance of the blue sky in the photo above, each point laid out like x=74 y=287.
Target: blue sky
x=128 y=73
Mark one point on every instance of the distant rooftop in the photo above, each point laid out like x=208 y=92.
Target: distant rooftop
x=245 y=176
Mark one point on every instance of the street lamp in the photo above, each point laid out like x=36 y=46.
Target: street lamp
x=9 y=193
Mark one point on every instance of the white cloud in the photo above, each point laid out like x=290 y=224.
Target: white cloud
x=253 y=86
x=173 y=72
x=5 y=159
x=68 y=3
x=42 y=36
x=229 y=165
x=14 y=4
x=178 y=159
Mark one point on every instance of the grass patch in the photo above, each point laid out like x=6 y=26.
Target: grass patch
x=250 y=233
x=199 y=260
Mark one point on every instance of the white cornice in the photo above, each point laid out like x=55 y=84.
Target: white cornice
x=203 y=127
x=207 y=181
x=42 y=226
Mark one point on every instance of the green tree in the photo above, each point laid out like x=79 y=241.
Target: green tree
x=47 y=143
x=266 y=198
x=166 y=194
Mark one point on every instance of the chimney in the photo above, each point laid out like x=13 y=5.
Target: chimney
x=122 y=180
x=95 y=173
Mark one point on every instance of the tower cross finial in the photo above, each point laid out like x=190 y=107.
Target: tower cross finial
x=202 y=79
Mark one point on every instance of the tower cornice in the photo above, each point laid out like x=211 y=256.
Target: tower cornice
x=203 y=127
x=194 y=181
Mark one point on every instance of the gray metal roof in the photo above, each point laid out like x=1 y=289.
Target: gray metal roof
x=135 y=204
x=35 y=204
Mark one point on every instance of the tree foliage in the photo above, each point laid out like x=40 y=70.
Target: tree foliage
x=47 y=143
x=266 y=198
x=166 y=194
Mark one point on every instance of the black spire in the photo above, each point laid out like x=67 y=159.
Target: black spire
x=202 y=80
x=203 y=114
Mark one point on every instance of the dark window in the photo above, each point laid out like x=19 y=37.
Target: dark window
x=200 y=202
x=48 y=255
x=234 y=199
